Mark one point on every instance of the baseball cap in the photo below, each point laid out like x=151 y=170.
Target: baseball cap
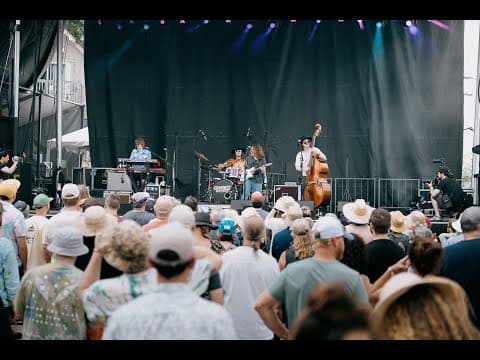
x=41 y=200
x=9 y=188
x=70 y=191
x=171 y=245
x=328 y=227
x=226 y=226
x=140 y=197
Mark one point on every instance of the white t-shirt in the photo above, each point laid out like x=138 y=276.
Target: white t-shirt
x=302 y=160
x=35 y=225
x=245 y=275
x=64 y=218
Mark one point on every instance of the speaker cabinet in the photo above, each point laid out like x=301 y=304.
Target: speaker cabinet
x=82 y=176
x=118 y=181
x=99 y=178
x=24 y=175
x=287 y=190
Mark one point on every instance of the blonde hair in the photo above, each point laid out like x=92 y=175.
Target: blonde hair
x=258 y=151
x=428 y=313
x=302 y=239
x=254 y=231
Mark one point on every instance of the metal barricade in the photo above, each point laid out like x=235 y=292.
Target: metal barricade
x=397 y=193
x=350 y=189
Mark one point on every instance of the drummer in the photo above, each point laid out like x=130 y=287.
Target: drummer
x=236 y=164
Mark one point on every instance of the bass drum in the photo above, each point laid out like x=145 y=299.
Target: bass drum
x=222 y=191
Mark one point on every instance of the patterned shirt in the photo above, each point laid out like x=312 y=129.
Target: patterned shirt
x=49 y=301
x=104 y=296
x=140 y=155
x=9 y=278
x=170 y=312
x=13 y=225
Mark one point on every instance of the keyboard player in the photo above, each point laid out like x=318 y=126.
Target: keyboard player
x=139 y=153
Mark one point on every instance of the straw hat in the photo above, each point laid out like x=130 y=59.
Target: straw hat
x=9 y=188
x=397 y=224
x=357 y=212
x=94 y=220
x=400 y=284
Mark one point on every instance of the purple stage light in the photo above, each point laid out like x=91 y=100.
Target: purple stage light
x=182 y=21
x=413 y=30
x=293 y=21
x=318 y=21
x=249 y=26
x=272 y=25
x=162 y=22
x=439 y=24
x=205 y=22
x=360 y=24
x=119 y=27
x=228 y=21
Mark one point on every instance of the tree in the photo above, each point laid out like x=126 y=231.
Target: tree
x=76 y=28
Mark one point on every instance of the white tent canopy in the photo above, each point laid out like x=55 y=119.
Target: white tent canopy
x=73 y=141
x=76 y=142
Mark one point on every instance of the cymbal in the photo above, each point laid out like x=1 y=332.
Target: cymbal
x=200 y=156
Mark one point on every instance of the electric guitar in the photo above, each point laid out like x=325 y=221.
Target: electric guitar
x=251 y=172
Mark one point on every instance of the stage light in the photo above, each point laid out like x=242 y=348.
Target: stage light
x=293 y=21
x=131 y=22
x=413 y=30
x=162 y=22
x=379 y=24
x=146 y=27
x=341 y=20
x=119 y=27
x=408 y=23
x=360 y=24
x=182 y=21
x=228 y=21
x=318 y=21
x=439 y=24
x=99 y=22
x=272 y=25
x=249 y=26
x=205 y=22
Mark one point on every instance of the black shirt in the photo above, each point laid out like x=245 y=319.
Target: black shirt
x=461 y=264
x=382 y=253
x=453 y=189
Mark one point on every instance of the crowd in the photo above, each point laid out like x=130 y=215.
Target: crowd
x=180 y=273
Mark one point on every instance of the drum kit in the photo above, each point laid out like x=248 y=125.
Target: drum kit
x=224 y=189
x=223 y=186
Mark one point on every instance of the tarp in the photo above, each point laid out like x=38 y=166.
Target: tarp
x=73 y=141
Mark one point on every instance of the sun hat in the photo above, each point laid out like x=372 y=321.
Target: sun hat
x=357 y=212
x=67 y=241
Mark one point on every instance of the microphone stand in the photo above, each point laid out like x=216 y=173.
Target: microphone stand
x=174 y=163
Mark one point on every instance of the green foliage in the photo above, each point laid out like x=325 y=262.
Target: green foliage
x=76 y=28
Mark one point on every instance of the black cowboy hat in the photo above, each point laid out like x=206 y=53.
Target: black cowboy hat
x=235 y=148
x=304 y=138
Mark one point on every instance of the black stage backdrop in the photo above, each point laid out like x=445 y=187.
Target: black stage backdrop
x=389 y=103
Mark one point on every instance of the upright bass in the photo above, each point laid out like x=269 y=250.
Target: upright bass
x=317 y=187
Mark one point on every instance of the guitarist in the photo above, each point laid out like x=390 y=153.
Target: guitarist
x=254 y=165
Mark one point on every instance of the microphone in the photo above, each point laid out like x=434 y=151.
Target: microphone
x=248 y=131
x=203 y=134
